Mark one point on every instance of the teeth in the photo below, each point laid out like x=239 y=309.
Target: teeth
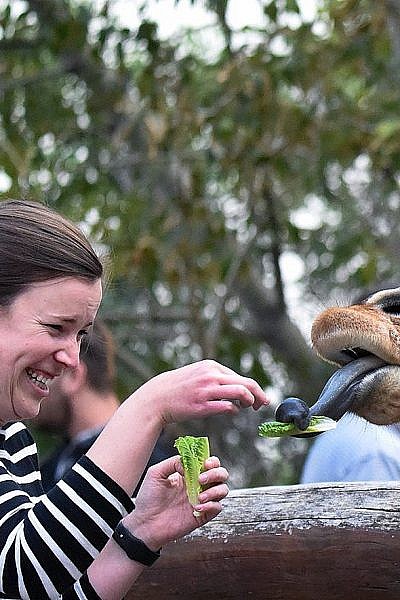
x=38 y=377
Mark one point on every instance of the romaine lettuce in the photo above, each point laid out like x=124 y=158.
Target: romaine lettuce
x=193 y=452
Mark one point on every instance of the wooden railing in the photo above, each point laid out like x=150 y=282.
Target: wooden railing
x=335 y=541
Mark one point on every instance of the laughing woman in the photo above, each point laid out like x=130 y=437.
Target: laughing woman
x=85 y=539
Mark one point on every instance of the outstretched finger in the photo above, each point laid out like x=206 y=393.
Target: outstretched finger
x=260 y=397
x=250 y=392
x=236 y=393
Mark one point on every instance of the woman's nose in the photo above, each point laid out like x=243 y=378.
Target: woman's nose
x=68 y=355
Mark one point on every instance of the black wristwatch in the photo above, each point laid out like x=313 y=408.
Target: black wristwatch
x=133 y=547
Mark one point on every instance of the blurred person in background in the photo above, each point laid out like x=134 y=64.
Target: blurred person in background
x=355 y=451
x=81 y=402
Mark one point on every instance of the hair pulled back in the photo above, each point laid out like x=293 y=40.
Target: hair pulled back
x=38 y=244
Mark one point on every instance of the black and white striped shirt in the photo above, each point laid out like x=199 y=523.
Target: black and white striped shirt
x=48 y=541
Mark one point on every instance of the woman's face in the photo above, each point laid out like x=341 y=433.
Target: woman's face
x=40 y=335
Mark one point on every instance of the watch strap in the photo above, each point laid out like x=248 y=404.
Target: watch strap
x=134 y=547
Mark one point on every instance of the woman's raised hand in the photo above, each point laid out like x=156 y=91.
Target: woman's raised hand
x=199 y=390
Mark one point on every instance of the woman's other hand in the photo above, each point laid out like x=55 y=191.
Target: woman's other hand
x=163 y=512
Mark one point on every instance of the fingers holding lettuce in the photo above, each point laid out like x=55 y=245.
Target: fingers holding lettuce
x=163 y=510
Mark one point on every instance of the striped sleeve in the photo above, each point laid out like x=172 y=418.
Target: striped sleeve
x=48 y=541
x=82 y=590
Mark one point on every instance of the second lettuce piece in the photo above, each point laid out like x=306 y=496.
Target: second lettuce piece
x=278 y=429
x=193 y=452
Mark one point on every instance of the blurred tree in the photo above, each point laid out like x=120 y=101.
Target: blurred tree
x=210 y=173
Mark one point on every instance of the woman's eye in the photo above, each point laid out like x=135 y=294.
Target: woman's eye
x=54 y=326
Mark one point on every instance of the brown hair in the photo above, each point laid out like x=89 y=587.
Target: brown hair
x=98 y=353
x=38 y=244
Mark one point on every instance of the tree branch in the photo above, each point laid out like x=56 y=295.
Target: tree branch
x=214 y=330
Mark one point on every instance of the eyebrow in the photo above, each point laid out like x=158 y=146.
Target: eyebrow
x=71 y=320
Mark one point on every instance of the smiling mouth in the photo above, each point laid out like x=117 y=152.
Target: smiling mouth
x=39 y=379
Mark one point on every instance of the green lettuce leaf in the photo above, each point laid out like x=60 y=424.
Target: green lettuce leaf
x=278 y=429
x=193 y=452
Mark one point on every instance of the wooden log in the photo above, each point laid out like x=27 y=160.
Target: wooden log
x=332 y=541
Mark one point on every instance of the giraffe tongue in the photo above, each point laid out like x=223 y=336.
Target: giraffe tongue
x=338 y=394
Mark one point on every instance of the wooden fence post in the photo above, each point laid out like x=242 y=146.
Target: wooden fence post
x=331 y=541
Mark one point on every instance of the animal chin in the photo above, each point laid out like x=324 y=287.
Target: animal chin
x=366 y=386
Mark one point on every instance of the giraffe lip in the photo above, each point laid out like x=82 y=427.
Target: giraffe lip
x=354 y=353
x=338 y=395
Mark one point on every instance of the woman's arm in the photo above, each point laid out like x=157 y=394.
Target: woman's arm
x=198 y=390
x=162 y=514
x=48 y=541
